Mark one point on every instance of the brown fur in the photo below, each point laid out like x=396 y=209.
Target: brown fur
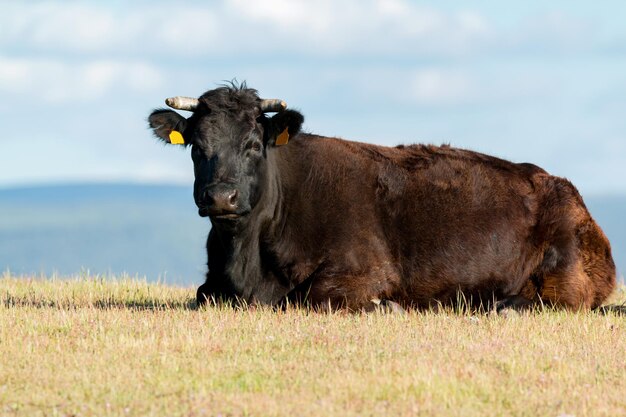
x=418 y=224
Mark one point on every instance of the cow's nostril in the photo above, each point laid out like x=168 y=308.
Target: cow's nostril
x=232 y=198
x=207 y=197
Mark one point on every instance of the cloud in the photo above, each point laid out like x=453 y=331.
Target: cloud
x=98 y=28
x=441 y=87
x=329 y=27
x=337 y=29
x=435 y=86
x=59 y=81
x=232 y=27
x=558 y=28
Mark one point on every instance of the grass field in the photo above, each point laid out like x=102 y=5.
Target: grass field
x=123 y=348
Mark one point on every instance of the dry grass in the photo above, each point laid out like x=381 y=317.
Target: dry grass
x=96 y=347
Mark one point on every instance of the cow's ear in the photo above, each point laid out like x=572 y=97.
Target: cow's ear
x=168 y=126
x=283 y=126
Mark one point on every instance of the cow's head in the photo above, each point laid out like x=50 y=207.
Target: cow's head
x=230 y=136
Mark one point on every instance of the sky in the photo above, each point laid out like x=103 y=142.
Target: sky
x=533 y=81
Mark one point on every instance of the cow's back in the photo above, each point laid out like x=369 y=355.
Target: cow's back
x=430 y=219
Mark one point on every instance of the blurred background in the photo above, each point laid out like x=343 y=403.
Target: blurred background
x=85 y=187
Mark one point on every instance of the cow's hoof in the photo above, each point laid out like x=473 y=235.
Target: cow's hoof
x=508 y=313
x=201 y=295
x=385 y=307
x=518 y=303
x=392 y=307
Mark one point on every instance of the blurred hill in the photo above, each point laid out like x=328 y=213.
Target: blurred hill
x=138 y=229
x=145 y=230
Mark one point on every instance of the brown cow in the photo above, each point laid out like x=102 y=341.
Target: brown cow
x=340 y=223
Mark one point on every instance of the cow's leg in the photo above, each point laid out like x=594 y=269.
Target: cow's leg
x=203 y=294
x=568 y=287
x=597 y=261
x=577 y=270
x=392 y=307
x=527 y=298
x=354 y=291
x=586 y=277
x=516 y=302
x=384 y=306
x=214 y=291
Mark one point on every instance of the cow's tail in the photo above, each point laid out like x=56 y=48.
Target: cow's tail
x=619 y=309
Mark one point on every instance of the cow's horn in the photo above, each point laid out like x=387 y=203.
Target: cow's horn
x=182 y=103
x=272 y=105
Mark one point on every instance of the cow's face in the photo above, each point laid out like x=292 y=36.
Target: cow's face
x=230 y=138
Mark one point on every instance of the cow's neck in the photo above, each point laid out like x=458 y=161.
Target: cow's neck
x=247 y=247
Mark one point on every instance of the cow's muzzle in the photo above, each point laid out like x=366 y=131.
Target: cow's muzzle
x=219 y=202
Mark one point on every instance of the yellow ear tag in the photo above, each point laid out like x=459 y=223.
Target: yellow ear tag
x=176 y=138
x=283 y=138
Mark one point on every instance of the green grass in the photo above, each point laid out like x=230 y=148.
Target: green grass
x=103 y=347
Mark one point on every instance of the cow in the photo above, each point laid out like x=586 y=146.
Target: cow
x=301 y=218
